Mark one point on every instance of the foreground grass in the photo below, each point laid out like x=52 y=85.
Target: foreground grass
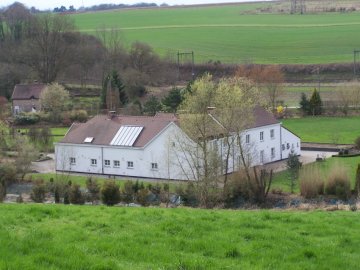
x=226 y=33
x=325 y=129
x=85 y=237
x=282 y=180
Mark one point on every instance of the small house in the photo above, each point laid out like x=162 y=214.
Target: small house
x=26 y=97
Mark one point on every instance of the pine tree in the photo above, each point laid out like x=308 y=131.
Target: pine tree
x=304 y=104
x=315 y=103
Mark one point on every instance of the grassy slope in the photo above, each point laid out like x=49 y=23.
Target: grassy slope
x=73 y=237
x=224 y=33
x=325 y=129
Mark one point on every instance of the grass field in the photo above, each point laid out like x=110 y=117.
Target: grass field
x=343 y=130
x=85 y=237
x=282 y=181
x=226 y=33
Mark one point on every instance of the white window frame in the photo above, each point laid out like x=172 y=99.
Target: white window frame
x=93 y=162
x=154 y=166
x=261 y=136
x=272 y=134
x=107 y=162
x=130 y=164
x=116 y=163
x=72 y=161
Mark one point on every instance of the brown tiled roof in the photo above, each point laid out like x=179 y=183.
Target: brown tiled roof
x=263 y=118
x=103 y=129
x=28 y=91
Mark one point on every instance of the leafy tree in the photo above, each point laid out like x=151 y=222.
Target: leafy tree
x=172 y=100
x=54 y=100
x=110 y=193
x=304 y=104
x=293 y=165
x=26 y=154
x=152 y=106
x=315 y=103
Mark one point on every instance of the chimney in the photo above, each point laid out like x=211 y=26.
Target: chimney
x=111 y=114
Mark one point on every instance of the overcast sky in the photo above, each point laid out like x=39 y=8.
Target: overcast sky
x=50 y=4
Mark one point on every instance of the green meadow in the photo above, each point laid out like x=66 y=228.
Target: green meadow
x=229 y=34
x=342 y=130
x=97 y=237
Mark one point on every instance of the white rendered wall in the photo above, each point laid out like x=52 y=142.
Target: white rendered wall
x=290 y=141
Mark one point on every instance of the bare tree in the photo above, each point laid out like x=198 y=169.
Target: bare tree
x=47 y=51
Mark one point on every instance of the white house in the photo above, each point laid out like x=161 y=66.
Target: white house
x=149 y=147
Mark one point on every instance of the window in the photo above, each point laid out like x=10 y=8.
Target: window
x=116 y=163
x=130 y=164
x=272 y=134
x=173 y=144
x=93 y=162
x=247 y=138
x=261 y=136
x=283 y=147
x=107 y=162
x=288 y=146
x=297 y=145
x=72 y=161
x=154 y=166
x=273 y=152
x=262 y=156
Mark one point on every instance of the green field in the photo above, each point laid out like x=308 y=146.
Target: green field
x=342 y=130
x=282 y=180
x=91 y=237
x=228 y=34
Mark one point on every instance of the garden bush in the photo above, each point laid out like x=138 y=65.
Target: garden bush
x=93 y=189
x=338 y=182
x=357 y=143
x=110 y=193
x=311 y=182
x=27 y=119
x=75 y=195
x=78 y=115
x=38 y=191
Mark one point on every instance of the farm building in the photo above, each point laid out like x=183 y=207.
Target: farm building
x=25 y=97
x=152 y=146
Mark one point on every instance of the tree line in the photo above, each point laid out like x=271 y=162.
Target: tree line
x=48 y=47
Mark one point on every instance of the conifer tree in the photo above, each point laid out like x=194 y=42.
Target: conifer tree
x=315 y=103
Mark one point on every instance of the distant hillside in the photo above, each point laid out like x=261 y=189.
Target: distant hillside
x=237 y=33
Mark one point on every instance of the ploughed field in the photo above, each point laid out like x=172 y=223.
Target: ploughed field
x=96 y=237
x=234 y=33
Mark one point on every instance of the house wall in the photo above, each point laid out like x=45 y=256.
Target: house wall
x=170 y=151
x=26 y=105
x=290 y=141
x=159 y=151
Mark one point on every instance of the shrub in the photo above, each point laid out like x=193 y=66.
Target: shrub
x=93 y=189
x=38 y=191
x=2 y=192
x=75 y=195
x=357 y=142
x=79 y=115
x=311 y=183
x=110 y=193
x=357 y=181
x=142 y=197
x=129 y=191
x=338 y=182
x=27 y=119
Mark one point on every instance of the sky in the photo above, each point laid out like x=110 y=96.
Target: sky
x=51 y=4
